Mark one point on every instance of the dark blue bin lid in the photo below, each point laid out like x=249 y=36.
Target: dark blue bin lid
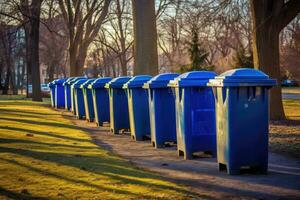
x=137 y=81
x=60 y=81
x=99 y=82
x=78 y=83
x=193 y=78
x=74 y=79
x=68 y=80
x=87 y=83
x=242 y=77
x=161 y=80
x=51 y=84
x=117 y=82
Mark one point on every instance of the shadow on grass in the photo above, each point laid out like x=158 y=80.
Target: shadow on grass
x=51 y=134
x=15 y=195
x=23 y=112
x=54 y=124
x=12 y=141
x=110 y=167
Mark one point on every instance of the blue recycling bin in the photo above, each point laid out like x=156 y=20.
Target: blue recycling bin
x=195 y=113
x=242 y=119
x=100 y=100
x=161 y=109
x=88 y=100
x=67 y=91
x=138 y=107
x=118 y=104
x=59 y=93
x=79 y=99
x=51 y=85
x=72 y=93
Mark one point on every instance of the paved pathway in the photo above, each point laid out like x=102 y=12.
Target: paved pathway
x=202 y=175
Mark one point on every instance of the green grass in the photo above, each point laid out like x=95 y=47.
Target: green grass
x=291 y=90
x=285 y=135
x=44 y=156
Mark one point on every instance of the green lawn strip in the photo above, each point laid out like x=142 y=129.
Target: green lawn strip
x=291 y=90
x=42 y=155
x=285 y=135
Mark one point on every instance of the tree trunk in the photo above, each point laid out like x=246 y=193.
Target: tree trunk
x=266 y=56
x=34 y=56
x=145 y=37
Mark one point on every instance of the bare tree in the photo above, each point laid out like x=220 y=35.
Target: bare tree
x=83 y=20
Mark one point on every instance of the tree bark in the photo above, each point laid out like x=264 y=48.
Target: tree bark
x=31 y=13
x=145 y=37
x=34 y=56
x=269 y=18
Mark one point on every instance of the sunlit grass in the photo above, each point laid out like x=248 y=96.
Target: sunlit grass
x=285 y=135
x=291 y=90
x=42 y=155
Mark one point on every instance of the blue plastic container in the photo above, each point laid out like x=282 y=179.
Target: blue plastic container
x=79 y=99
x=161 y=109
x=59 y=93
x=138 y=107
x=242 y=119
x=88 y=100
x=100 y=100
x=119 y=116
x=72 y=92
x=67 y=89
x=195 y=113
x=51 y=85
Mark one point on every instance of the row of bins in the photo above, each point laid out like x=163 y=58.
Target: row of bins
x=225 y=116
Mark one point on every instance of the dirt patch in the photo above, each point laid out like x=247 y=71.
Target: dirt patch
x=285 y=137
x=202 y=175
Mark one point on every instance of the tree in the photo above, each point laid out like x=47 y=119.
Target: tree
x=145 y=37
x=242 y=59
x=116 y=34
x=197 y=53
x=31 y=15
x=83 y=20
x=269 y=18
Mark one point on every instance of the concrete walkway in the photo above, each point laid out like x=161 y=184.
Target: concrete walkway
x=202 y=175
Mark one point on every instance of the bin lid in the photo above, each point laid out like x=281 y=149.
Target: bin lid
x=51 y=84
x=68 y=80
x=242 y=77
x=99 y=82
x=60 y=81
x=87 y=83
x=161 y=80
x=117 y=82
x=74 y=79
x=78 y=83
x=193 y=78
x=137 y=81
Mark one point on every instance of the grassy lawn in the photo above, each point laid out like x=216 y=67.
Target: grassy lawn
x=291 y=90
x=285 y=135
x=43 y=156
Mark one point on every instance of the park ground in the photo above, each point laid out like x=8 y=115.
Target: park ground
x=47 y=154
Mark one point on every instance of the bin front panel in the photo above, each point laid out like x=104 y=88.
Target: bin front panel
x=195 y=120
x=242 y=125
x=88 y=104
x=79 y=103
x=119 y=116
x=162 y=112
x=60 y=96
x=101 y=105
x=138 y=112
